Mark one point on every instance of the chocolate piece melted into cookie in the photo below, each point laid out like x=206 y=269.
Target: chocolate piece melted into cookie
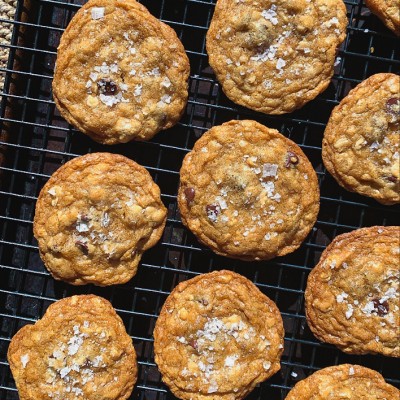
x=189 y=194
x=212 y=211
x=82 y=246
x=107 y=87
x=391 y=178
x=193 y=343
x=291 y=159
x=393 y=109
x=381 y=308
x=84 y=218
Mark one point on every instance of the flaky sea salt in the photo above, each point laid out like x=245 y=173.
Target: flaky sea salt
x=341 y=297
x=268 y=84
x=138 y=90
x=230 y=361
x=212 y=388
x=280 y=63
x=166 y=99
x=338 y=60
x=271 y=15
x=97 y=12
x=166 y=82
x=24 y=360
x=270 y=170
x=349 y=311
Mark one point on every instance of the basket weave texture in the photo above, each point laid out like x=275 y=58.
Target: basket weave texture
x=7 y=11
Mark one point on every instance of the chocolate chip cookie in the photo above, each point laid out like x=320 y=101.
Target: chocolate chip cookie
x=95 y=217
x=121 y=74
x=346 y=381
x=388 y=12
x=361 y=140
x=352 y=295
x=79 y=350
x=275 y=56
x=248 y=192
x=217 y=337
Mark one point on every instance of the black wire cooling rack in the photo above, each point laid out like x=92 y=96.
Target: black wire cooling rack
x=35 y=141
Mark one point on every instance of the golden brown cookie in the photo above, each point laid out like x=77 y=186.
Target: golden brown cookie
x=275 y=56
x=361 y=140
x=346 y=381
x=79 y=350
x=217 y=337
x=352 y=295
x=121 y=74
x=248 y=192
x=95 y=217
x=388 y=12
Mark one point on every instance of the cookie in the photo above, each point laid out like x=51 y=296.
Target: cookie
x=361 y=141
x=346 y=381
x=352 y=295
x=78 y=350
x=95 y=217
x=275 y=56
x=388 y=11
x=248 y=192
x=217 y=337
x=121 y=74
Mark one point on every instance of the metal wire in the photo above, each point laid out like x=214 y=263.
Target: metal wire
x=36 y=141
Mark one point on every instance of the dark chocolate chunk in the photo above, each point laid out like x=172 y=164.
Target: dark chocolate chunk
x=107 y=87
x=193 y=343
x=82 y=247
x=391 y=178
x=381 y=308
x=291 y=159
x=393 y=106
x=189 y=194
x=212 y=211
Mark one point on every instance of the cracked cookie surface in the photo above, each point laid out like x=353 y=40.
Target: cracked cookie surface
x=95 y=217
x=352 y=295
x=121 y=74
x=248 y=192
x=346 y=381
x=360 y=148
x=388 y=11
x=78 y=350
x=217 y=337
x=275 y=56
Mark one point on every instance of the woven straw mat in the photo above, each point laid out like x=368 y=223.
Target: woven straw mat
x=7 y=11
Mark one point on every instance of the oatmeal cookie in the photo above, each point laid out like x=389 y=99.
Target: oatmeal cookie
x=275 y=56
x=346 y=381
x=78 y=350
x=361 y=140
x=352 y=295
x=388 y=11
x=217 y=337
x=248 y=192
x=95 y=217
x=121 y=74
